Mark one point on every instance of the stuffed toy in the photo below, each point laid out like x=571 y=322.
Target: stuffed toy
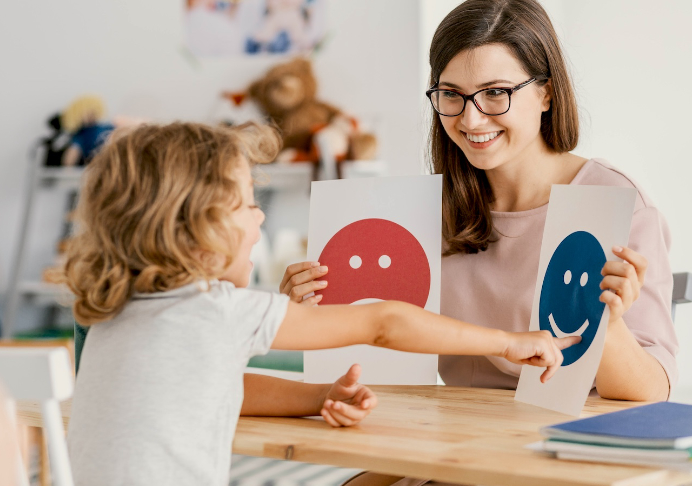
x=287 y=95
x=83 y=119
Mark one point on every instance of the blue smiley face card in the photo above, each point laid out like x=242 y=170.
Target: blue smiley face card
x=582 y=225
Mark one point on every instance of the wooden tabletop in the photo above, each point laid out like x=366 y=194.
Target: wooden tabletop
x=459 y=435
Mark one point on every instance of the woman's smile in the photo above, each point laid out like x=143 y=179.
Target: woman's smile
x=482 y=140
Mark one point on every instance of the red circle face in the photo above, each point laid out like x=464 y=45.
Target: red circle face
x=375 y=259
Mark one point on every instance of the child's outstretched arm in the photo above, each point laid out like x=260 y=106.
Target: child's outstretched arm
x=406 y=327
x=344 y=403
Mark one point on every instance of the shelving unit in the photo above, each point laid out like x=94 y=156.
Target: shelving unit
x=19 y=289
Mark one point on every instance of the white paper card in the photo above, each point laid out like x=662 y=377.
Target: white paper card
x=582 y=225
x=380 y=238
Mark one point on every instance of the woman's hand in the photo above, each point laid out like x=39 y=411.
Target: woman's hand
x=538 y=349
x=622 y=281
x=348 y=402
x=299 y=281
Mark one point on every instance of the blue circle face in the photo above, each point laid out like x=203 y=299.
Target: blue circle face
x=569 y=304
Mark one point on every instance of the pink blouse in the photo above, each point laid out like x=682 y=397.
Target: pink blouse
x=495 y=288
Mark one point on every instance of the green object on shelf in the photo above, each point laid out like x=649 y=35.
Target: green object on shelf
x=58 y=333
x=279 y=360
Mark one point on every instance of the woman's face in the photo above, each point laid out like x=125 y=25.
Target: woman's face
x=516 y=133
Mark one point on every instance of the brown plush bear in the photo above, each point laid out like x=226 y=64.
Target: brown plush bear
x=287 y=95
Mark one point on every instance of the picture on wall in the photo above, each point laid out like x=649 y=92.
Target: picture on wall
x=231 y=28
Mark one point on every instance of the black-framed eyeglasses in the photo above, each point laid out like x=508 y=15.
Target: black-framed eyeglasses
x=489 y=101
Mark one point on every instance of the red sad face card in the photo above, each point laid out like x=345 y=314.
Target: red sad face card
x=380 y=239
x=375 y=259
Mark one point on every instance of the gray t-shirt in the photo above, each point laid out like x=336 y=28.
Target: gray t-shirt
x=160 y=386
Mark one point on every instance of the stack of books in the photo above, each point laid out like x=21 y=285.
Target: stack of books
x=658 y=435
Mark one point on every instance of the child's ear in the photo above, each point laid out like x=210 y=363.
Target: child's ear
x=548 y=95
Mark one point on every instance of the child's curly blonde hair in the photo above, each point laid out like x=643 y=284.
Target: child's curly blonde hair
x=154 y=198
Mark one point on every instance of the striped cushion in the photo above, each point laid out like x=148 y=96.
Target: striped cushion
x=259 y=471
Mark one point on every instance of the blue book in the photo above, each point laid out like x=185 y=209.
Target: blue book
x=662 y=425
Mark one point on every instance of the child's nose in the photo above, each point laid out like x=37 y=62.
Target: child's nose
x=260 y=217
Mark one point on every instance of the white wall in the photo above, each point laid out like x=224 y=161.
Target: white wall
x=131 y=53
x=630 y=60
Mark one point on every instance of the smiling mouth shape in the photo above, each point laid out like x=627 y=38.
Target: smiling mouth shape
x=558 y=333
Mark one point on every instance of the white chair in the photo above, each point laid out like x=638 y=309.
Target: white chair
x=43 y=375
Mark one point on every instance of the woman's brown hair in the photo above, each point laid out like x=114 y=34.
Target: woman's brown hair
x=525 y=29
x=154 y=201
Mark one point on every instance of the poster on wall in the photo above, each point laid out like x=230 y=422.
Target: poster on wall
x=232 y=28
x=582 y=226
x=379 y=243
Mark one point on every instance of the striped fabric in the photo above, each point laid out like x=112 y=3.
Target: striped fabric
x=259 y=471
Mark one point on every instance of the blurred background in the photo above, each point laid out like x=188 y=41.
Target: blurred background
x=151 y=60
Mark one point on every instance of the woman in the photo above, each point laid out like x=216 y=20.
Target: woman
x=505 y=121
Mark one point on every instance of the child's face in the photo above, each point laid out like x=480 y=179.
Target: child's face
x=249 y=218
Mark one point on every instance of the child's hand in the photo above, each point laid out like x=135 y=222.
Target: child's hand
x=348 y=402
x=622 y=281
x=538 y=349
x=299 y=280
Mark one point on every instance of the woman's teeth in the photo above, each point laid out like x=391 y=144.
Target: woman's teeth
x=482 y=138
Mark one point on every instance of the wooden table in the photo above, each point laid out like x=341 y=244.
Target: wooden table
x=460 y=435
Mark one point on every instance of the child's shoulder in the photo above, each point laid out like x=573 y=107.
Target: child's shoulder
x=246 y=301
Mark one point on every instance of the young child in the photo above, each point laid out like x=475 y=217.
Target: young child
x=167 y=219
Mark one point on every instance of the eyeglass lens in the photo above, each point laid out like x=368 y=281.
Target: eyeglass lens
x=489 y=101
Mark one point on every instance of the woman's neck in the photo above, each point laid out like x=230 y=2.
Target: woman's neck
x=525 y=184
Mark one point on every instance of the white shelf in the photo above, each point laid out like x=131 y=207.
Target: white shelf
x=283 y=176
x=298 y=175
x=69 y=177
x=61 y=173
x=39 y=289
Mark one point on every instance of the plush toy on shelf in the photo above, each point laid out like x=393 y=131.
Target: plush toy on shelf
x=287 y=95
x=83 y=118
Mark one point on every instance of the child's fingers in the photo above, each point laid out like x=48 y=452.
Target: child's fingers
x=350 y=379
x=553 y=367
x=328 y=418
x=365 y=397
x=347 y=415
x=563 y=343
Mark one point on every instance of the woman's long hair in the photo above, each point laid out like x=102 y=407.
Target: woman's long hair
x=155 y=202
x=525 y=29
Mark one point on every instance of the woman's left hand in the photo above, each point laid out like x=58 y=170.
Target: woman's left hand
x=622 y=281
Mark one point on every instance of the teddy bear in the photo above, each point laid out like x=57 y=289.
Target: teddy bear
x=287 y=95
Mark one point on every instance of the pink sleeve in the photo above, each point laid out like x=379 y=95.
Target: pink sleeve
x=649 y=319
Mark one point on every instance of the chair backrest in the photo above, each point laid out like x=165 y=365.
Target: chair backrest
x=43 y=375
x=682 y=289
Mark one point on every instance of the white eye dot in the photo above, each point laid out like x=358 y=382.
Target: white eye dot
x=384 y=261
x=584 y=278
x=568 y=277
x=355 y=261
